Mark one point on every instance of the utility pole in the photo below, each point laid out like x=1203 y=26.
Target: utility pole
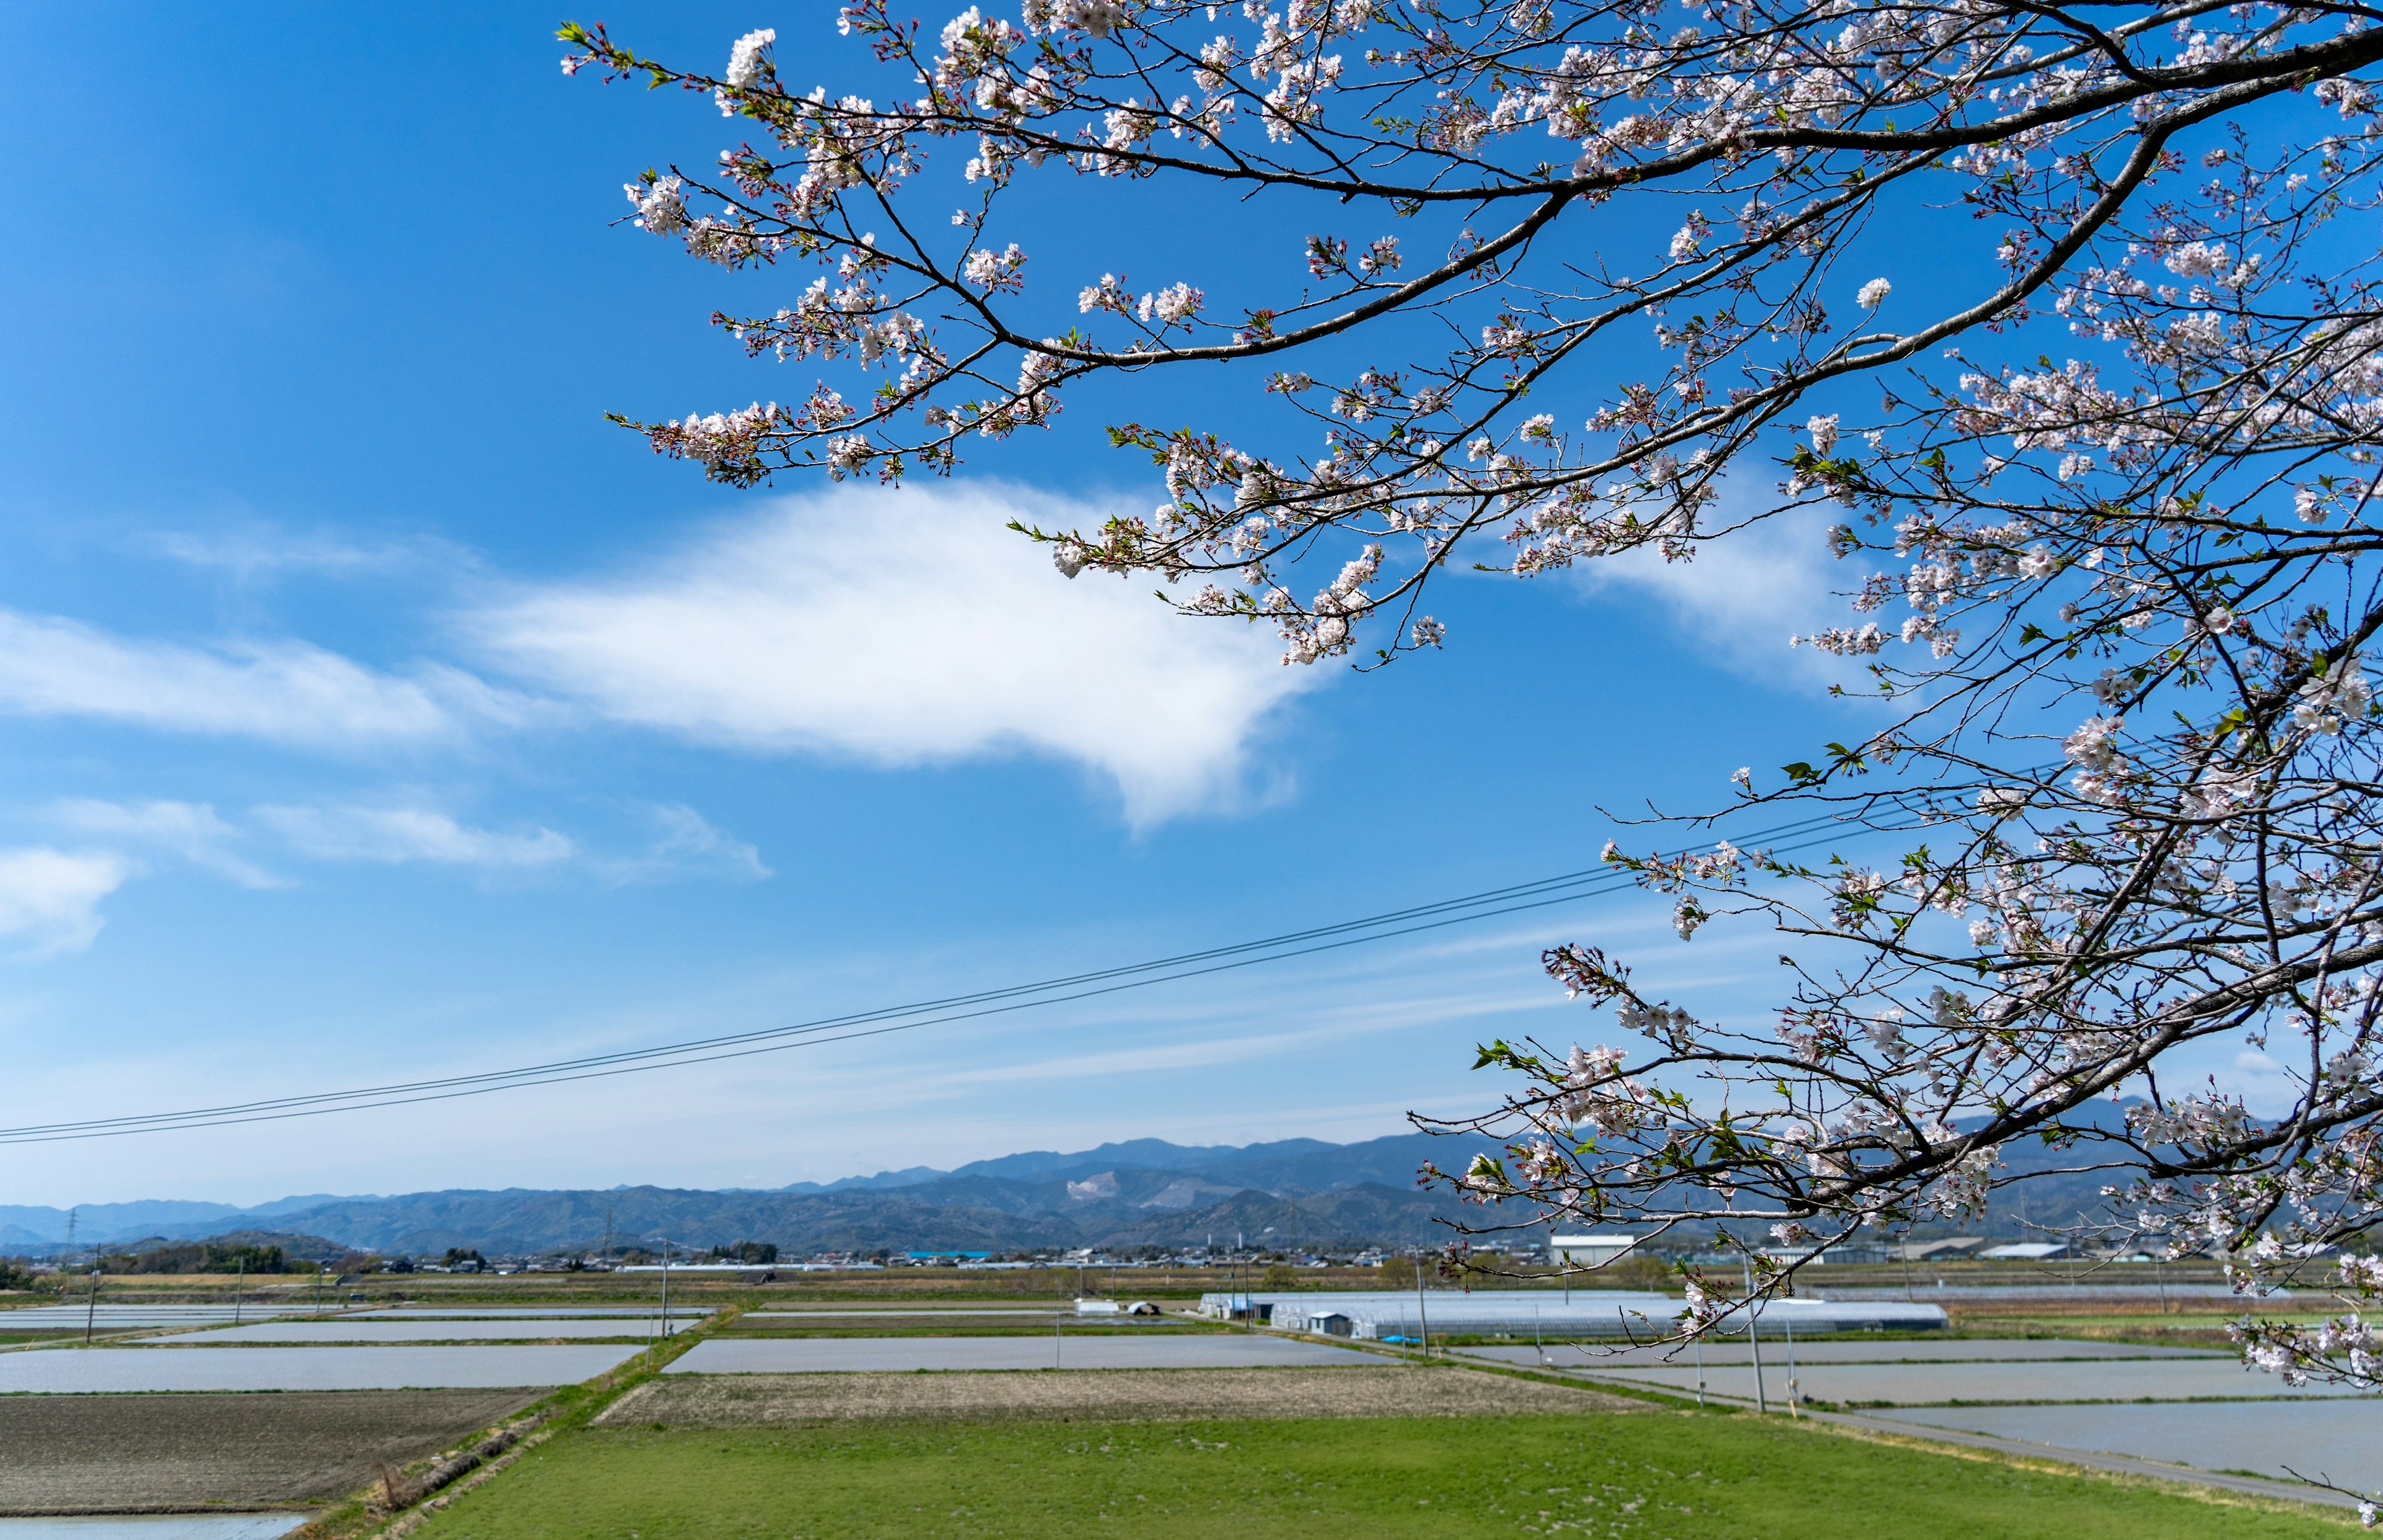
x=70 y=1224
x=1754 y=1340
x=666 y=1286
x=240 y=1283
x=1422 y=1321
x=1787 y=1325
x=90 y=1312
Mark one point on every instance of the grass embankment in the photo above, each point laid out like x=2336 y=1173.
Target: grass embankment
x=1663 y=1474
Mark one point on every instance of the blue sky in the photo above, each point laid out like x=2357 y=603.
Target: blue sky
x=373 y=709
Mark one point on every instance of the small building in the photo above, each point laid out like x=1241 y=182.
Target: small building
x=1099 y=1307
x=1331 y=1323
x=1790 y=1256
x=1844 y=1252
x=1590 y=1251
x=1951 y=1249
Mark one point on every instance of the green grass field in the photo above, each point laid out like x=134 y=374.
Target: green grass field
x=1073 y=1329
x=1658 y=1475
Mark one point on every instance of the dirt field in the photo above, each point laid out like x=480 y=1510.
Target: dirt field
x=122 y=1454
x=1114 y=1395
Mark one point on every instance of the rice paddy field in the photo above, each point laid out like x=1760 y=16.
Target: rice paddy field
x=799 y=1409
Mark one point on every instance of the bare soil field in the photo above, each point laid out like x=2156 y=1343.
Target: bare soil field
x=139 y=1453
x=1099 y=1395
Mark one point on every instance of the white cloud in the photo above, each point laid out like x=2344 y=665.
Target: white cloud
x=287 y=691
x=907 y=628
x=2266 y=1086
x=189 y=830
x=1743 y=594
x=395 y=835
x=49 y=899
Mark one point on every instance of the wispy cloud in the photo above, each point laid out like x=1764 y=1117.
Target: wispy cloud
x=397 y=834
x=686 y=845
x=907 y=628
x=1316 y=1026
x=285 y=692
x=49 y=899
x=189 y=830
x=254 y=554
x=1743 y=594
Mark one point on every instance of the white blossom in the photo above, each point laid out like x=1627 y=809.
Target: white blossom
x=2199 y=259
x=660 y=204
x=1172 y=305
x=748 y=61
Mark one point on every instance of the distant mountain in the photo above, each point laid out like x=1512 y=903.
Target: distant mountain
x=1139 y=1192
x=910 y=1177
x=1069 y=1207
x=105 y=1222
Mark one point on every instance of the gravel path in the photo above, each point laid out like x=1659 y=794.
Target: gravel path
x=1117 y=1394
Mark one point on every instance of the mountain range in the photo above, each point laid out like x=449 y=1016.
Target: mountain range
x=1141 y=1192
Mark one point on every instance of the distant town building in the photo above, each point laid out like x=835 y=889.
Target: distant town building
x=1594 y=1250
x=1529 y=1313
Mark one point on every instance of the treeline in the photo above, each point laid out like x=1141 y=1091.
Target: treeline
x=205 y=1257
x=746 y=1252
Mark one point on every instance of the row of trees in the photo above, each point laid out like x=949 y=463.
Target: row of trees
x=207 y=1257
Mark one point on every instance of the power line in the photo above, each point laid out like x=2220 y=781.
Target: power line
x=1490 y=903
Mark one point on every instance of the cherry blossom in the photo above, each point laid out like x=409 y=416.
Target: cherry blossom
x=1532 y=287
